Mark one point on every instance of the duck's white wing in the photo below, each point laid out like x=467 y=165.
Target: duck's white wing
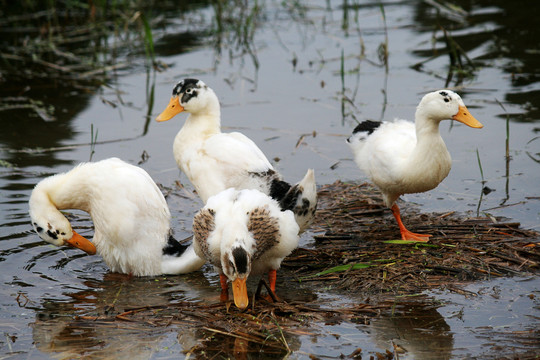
x=237 y=150
x=386 y=152
x=223 y=161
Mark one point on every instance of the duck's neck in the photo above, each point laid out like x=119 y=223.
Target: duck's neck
x=63 y=191
x=428 y=137
x=207 y=123
x=430 y=159
x=198 y=127
x=205 y=119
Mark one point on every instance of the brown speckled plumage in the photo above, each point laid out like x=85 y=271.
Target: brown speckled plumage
x=203 y=225
x=265 y=230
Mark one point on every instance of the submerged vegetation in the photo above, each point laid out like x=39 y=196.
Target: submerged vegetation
x=74 y=45
x=72 y=41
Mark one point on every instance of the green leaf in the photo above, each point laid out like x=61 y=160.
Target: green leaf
x=407 y=242
x=346 y=267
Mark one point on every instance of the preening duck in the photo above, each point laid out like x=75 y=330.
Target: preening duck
x=402 y=158
x=214 y=161
x=244 y=232
x=131 y=218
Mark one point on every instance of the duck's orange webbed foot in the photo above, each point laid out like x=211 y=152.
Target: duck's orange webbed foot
x=224 y=296
x=406 y=234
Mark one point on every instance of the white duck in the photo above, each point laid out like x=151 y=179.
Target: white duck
x=244 y=232
x=130 y=215
x=214 y=161
x=402 y=158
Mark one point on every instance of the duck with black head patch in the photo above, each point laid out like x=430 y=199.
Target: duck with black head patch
x=402 y=157
x=214 y=161
x=243 y=233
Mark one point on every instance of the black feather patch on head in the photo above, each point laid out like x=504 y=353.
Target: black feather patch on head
x=52 y=234
x=182 y=85
x=445 y=95
x=368 y=126
x=240 y=260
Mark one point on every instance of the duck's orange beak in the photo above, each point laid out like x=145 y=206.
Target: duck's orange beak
x=174 y=108
x=465 y=117
x=80 y=242
x=240 y=296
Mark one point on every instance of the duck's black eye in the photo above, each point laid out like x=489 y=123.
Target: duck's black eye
x=446 y=100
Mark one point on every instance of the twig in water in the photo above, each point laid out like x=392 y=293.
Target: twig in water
x=483 y=182
x=507 y=154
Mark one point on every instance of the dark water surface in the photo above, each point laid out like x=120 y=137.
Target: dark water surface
x=284 y=71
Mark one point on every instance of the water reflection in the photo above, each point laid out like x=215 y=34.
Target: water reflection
x=492 y=33
x=26 y=130
x=85 y=323
x=80 y=325
x=417 y=330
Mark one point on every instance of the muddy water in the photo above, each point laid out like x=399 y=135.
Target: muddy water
x=295 y=78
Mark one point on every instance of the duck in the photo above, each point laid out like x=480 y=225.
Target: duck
x=402 y=157
x=242 y=233
x=132 y=231
x=214 y=161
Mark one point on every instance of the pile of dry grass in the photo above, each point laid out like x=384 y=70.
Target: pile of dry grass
x=357 y=252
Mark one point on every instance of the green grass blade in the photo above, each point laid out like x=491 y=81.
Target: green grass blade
x=148 y=38
x=346 y=267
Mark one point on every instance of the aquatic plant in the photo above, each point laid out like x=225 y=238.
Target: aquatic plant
x=75 y=41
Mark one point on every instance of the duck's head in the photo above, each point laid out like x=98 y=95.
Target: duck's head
x=446 y=104
x=236 y=265
x=193 y=96
x=56 y=229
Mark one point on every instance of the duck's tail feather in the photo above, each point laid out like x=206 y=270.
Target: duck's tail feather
x=179 y=258
x=301 y=199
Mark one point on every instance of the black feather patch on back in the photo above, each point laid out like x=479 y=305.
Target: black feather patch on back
x=279 y=189
x=368 y=126
x=240 y=260
x=290 y=198
x=173 y=247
